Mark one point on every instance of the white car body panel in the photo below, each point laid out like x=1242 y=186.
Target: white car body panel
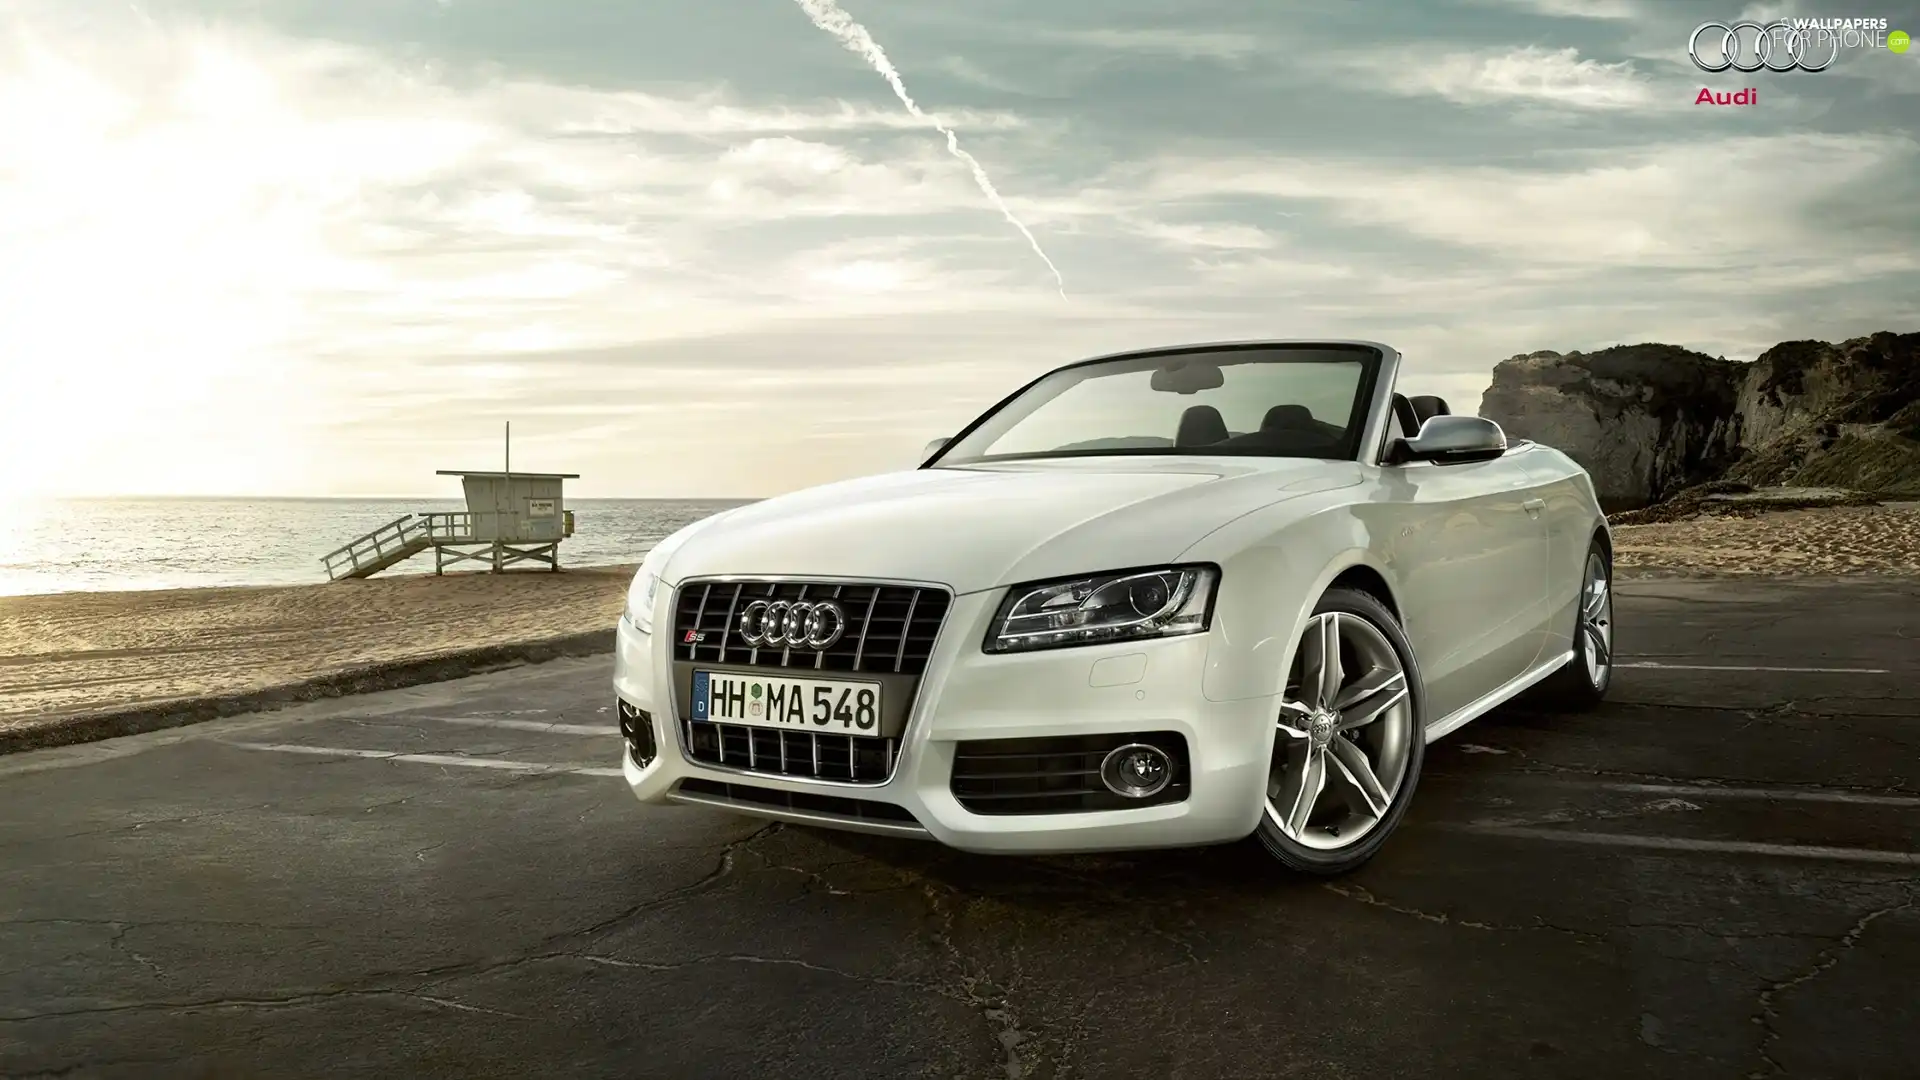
x=1482 y=562
x=1023 y=522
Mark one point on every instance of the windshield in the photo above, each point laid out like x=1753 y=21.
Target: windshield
x=1268 y=400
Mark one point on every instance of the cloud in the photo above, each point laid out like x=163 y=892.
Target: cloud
x=1724 y=203
x=1205 y=235
x=708 y=113
x=1184 y=44
x=1573 y=9
x=650 y=252
x=1530 y=75
x=1768 y=11
x=973 y=74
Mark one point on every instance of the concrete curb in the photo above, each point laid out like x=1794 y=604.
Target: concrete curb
x=391 y=675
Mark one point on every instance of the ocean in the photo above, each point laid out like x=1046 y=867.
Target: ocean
x=94 y=545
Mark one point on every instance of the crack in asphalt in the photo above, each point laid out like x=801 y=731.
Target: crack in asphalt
x=1776 y=710
x=749 y=958
x=1824 y=961
x=1569 y=815
x=1073 y=1030
x=1440 y=918
x=1019 y=1047
x=118 y=944
x=264 y=1002
x=73 y=1070
x=722 y=868
x=117 y=924
x=1032 y=1057
x=372 y=984
x=813 y=877
x=991 y=1001
x=1531 y=764
x=1722 y=934
x=132 y=826
x=401 y=801
x=1536 y=765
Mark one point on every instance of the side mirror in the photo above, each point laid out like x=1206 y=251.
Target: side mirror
x=1446 y=440
x=933 y=448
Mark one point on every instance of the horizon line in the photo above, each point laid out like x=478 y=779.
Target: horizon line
x=380 y=498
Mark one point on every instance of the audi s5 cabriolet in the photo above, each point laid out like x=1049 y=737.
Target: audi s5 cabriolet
x=1172 y=597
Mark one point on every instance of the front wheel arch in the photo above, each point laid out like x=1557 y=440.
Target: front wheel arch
x=1363 y=578
x=1355 y=569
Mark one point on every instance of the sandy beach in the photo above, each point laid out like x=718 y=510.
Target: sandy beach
x=1835 y=540
x=68 y=655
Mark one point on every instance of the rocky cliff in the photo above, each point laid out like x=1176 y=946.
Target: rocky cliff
x=1649 y=420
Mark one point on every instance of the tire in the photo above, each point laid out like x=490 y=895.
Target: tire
x=1376 y=717
x=1583 y=683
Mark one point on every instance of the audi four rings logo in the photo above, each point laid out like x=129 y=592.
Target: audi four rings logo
x=1751 y=46
x=789 y=623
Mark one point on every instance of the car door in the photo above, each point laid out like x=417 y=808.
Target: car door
x=1468 y=547
x=1570 y=524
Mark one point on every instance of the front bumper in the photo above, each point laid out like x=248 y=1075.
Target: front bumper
x=967 y=694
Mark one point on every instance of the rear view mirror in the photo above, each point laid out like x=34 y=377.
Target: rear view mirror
x=1187 y=377
x=1450 y=439
x=933 y=448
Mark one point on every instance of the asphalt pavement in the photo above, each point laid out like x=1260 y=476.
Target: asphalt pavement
x=1714 y=875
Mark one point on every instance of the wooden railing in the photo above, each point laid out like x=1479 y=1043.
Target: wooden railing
x=443 y=527
x=375 y=546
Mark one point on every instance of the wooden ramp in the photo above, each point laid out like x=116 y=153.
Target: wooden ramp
x=396 y=541
x=453 y=540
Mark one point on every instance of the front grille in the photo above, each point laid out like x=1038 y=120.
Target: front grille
x=890 y=628
x=862 y=810
x=1056 y=775
x=846 y=758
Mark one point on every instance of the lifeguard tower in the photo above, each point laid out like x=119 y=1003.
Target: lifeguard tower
x=511 y=517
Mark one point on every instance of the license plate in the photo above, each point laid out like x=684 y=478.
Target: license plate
x=830 y=705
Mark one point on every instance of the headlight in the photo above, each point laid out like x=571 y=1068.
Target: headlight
x=639 y=611
x=1123 y=606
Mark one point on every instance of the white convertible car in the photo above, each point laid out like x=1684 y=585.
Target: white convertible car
x=1172 y=597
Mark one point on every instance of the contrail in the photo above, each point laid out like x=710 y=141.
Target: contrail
x=828 y=16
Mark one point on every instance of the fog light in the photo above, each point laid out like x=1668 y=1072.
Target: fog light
x=636 y=727
x=1136 y=771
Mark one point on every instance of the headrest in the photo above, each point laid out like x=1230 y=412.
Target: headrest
x=1287 y=416
x=1426 y=407
x=1200 y=425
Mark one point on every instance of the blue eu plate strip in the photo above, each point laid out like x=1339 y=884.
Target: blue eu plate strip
x=700 y=679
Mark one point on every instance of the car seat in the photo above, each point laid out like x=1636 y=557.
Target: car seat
x=1426 y=407
x=1403 y=412
x=1201 y=425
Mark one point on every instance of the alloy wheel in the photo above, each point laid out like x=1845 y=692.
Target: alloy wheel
x=1345 y=734
x=1596 y=619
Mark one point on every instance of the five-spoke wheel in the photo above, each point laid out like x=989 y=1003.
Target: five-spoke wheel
x=1349 y=743
x=1583 y=682
x=1596 y=619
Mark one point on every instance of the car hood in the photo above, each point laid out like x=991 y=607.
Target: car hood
x=978 y=527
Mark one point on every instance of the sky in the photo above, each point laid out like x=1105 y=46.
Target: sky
x=699 y=248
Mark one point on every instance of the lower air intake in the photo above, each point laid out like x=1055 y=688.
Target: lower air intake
x=1058 y=775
